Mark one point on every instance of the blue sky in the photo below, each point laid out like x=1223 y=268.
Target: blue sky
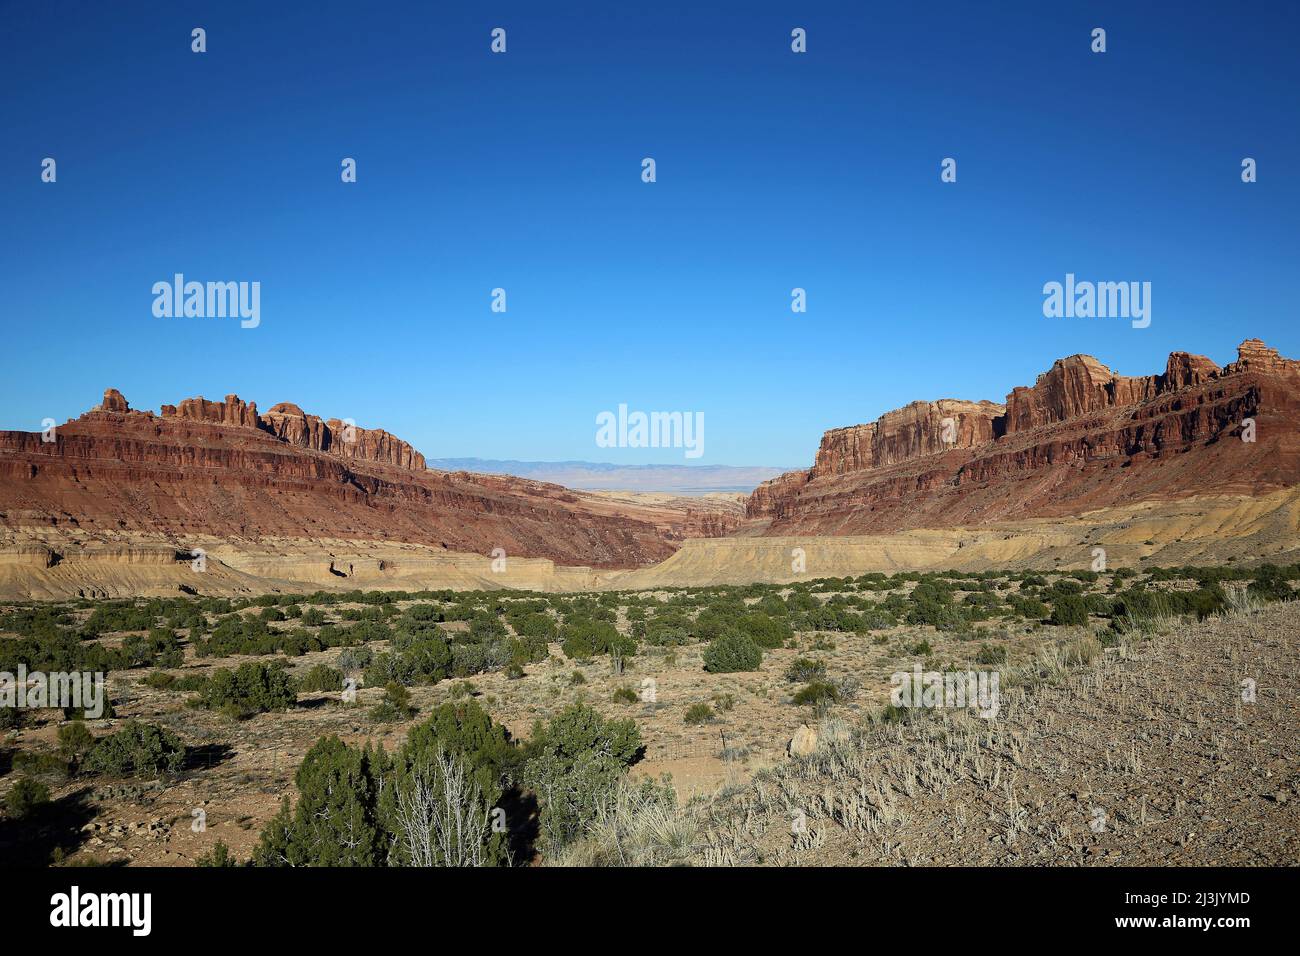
x=522 y=171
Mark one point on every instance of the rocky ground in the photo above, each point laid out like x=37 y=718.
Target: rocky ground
x=1140 y=753
x=1146 y=756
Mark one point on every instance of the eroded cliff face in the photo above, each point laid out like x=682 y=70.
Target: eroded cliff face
x=222 y=468
x=921 y=428
x=1081 y=437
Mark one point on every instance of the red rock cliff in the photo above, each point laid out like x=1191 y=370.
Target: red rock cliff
x=221 y=468
x=1081 y=437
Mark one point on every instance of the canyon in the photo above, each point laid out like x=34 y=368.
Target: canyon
x=1198 y=462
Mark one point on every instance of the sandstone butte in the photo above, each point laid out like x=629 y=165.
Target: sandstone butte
x=1080 y=439
x=224 y=469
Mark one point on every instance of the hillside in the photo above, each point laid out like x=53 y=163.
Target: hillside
x=222 y=470
x=1080 y=439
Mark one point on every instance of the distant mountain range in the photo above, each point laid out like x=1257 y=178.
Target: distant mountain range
x=602 y=476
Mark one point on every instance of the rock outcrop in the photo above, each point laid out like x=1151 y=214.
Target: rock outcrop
x=343 y=438
x=232 y=411
x=223 y=469
x=921 y=428
x=1081 y=437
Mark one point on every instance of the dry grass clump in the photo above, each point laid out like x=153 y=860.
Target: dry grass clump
x=636 y=825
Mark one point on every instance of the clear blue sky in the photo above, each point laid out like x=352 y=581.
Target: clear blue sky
x=522 y=171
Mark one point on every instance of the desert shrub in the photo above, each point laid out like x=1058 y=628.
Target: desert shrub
x=467 y=731
x=419 y=659
x=424 y=612
x=1270 y=584
x=536 y=625
x=75 y=739
x=321 y=677
x=468 y=659
x=803 y=669
x=353 y=659
x=110 y=617
x=528 y=650
x=219 y=856
x=136 y=749
x=730 y=652
x=698 y=714
x=253 y=688
x=1061 y=588
x=514 y=671
x=668 y=629
x=765 y=631
x=1138 y=605
x=875 y=619
x=990 y=654
x=1099 y=604
x=445 y=786
x=573 y=763
x=715 y=620
x=800 y=600
x=931 y=604
x=43 y=764
x=1069 y=610
x=817 y=694
x=25 y=797
x=161 y=648
x=1031 y=609
x=584 y=638
x=334 y=822
x=486 y=627
x=827 y=617
x=313 y=617
x=426 y=805
x=159 y=680
x=395 y=705
x=626 y=695
x=981 y=606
